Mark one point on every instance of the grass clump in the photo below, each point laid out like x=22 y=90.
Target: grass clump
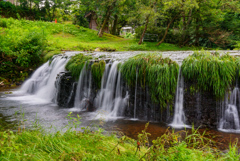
x=211 y=72
x=76 y=64
x=157 y=73
x=97 y=70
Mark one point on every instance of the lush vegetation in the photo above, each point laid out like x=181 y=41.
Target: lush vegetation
x=210 y=24
x=77 y=63
x=97 y=70
x=93 y=145
x=155 y=72
x=211 y=72
x=24 y=44
x=20 y=49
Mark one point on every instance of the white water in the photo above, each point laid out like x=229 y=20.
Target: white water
x=135 y=99
x=83 y=92
x=40 y=85
x=179 y=115
x=229 y=121
x=109 y=101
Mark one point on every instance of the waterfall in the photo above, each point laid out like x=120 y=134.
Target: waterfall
x=198 y=106
x=83 y=92
x=229 y=121
x=135 y=99
x=179 y=115
x=109 y=100
x=41 y=83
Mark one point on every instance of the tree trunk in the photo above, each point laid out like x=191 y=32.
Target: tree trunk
x=168 y=26
x=197 y=32
x=114 y=28
x=186 y=26
x=108 y=14
x=144 y=31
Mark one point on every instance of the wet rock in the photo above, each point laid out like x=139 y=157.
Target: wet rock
x=65 y=90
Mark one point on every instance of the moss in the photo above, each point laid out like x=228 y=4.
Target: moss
x=158 y=73
x=76 y=64
x=97 y=70
x=211 y=72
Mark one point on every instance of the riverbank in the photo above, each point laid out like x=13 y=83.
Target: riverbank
x=93 y=145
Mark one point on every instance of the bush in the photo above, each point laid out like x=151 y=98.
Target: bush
x=20 y=48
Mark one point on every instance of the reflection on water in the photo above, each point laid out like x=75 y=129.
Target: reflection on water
x=12 y=109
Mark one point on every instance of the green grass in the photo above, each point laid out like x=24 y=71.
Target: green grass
x=77 y=63
x=97 y=70
x=24 y=45
x=157 y=73
x=70 y=37
x=93 y=145
x=211 y=72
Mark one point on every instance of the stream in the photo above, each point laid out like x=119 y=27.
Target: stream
x=16 y=107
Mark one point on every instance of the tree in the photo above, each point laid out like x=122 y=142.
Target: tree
x=147 y=9
x=180 y=7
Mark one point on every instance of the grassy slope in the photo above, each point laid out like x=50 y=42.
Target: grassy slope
x=63 y=41
x=70 y=37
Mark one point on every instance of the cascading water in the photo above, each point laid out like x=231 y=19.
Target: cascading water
x=229 y=121
x=135 y=99
x=41 y=83
x=83 y=92
x=109 y=99
x=179 y=116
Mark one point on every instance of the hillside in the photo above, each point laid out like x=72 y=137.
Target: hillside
x=24 y=45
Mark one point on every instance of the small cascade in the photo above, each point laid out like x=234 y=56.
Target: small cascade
x=198 y=106
x=135 y=99
x=119 y=102
x=58 y=86
x=72 y=93
x=109 y=100
x=229 y=121
x=41 y=83
x=83 y=92
x=179 y=115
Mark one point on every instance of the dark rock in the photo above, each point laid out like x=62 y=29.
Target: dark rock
x=201 y=109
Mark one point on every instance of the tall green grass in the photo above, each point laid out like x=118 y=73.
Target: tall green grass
x=155 y=72
x=211 y=72
x=76 y=64
x=93 y=145
x=97 y=70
